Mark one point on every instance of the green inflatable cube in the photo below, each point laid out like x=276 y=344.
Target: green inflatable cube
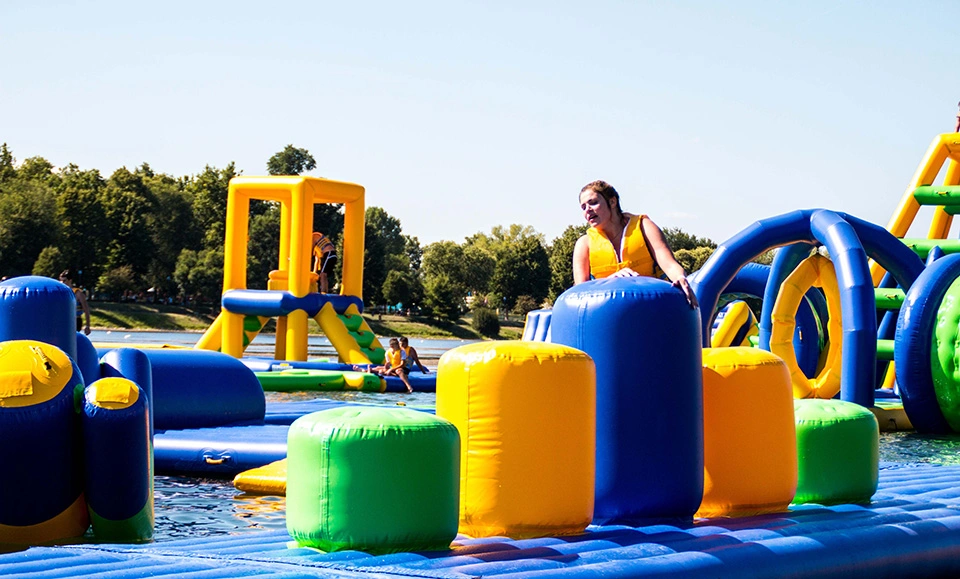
x=838 y=452
x=379 y=480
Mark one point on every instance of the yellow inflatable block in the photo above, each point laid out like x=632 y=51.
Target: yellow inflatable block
x=749 y=440
x=526 y=412
x=269 y=479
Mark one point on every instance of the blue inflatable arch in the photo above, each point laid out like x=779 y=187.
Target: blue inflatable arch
x=849 y=240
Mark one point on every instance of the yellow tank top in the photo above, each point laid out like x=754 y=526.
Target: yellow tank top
x=395 y=358
x=635 y=254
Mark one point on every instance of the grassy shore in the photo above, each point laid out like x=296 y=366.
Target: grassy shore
x=127 y=316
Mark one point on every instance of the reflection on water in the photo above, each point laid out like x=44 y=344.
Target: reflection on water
x=190 y=507
x=907 y=447
x=263 y=344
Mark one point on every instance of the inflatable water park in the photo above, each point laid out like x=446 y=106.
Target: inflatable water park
x=625 y=435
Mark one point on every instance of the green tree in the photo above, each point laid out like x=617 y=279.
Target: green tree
x=129 y=206
x=199 y=274
x=84 y=231
x=116 y=281
x=402 y=287
x=263 y=248
x=523 y=268
x=413 y=251
x=49 y=263
x=442 y=298
x=291 y=161
x=383 y=252
x=501 y=236
x=677 y=239
x=28 y=223
x=8 y=169
x=477 y=269
x=693 y=259
x=208 y=191
x=37 y=169
x=171 y=226
x=561 y=260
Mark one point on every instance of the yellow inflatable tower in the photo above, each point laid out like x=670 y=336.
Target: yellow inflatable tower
x=945 y=198
x=291 y=296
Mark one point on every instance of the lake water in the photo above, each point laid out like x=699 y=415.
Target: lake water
x=263 y=344
x=194 y=507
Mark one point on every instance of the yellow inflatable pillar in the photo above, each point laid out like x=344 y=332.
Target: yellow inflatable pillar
x=749 y=440
x=526 y=412
x=301 y=223
x=235 y=267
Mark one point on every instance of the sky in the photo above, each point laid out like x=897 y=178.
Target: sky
x=460 y=116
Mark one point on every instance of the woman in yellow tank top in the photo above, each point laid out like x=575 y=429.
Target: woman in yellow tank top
x=621 y=244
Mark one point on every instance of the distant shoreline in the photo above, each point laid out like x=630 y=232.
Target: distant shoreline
x=114 y=316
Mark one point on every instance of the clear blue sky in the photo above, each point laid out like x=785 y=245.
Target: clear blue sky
x=459 y=116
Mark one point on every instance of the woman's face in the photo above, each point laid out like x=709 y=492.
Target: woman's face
x=595 y=208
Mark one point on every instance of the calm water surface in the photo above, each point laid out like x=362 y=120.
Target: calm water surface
x=193 y=507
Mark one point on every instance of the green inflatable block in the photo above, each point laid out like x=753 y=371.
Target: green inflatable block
x=838 y=452
x=379 y=480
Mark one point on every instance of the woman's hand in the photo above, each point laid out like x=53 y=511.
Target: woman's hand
x=625 y=272
x=684 y=286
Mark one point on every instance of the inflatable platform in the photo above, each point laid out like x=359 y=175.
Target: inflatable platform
x=910 y=529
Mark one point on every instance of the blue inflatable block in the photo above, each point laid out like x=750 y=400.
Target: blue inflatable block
x=225 y=450
x=645 y=341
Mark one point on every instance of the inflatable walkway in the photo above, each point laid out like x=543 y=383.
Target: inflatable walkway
x=911 y=529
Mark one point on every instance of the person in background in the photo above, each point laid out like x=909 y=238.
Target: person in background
x=394 y=364
x=410 y=357
x=83 y=309
x=622 y=244
x=324 y=258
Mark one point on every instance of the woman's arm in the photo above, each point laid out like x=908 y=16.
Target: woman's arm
x=668 y=263
x=581 y=260
x=82 y=302
x=416 y=359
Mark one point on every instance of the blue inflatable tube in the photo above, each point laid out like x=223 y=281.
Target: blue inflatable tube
x=914 y=344
x=847 y=239
x=751 y=280
x=133 y=365
x=198 y=388
x=42 y=454
x=41 y=309
x=645 y=341
x=87 y=359
x=118 y=460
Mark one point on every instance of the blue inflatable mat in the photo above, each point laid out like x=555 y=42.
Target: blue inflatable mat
x=911 y=529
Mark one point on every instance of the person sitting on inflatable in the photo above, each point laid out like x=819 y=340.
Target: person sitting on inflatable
x=410 y=356
x=621 y=244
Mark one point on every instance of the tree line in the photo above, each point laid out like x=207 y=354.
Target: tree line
x=142 y=229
